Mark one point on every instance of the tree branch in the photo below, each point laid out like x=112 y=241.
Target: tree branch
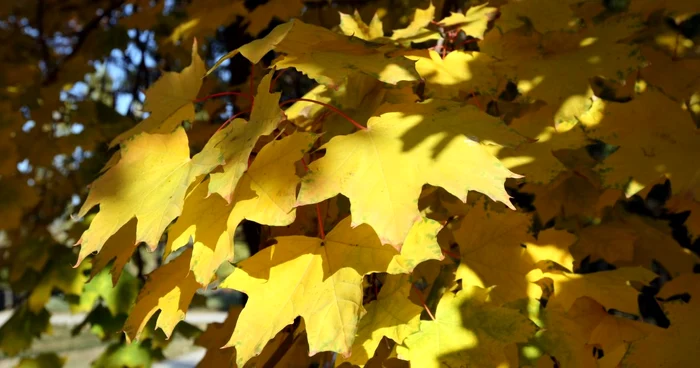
x=82 y=37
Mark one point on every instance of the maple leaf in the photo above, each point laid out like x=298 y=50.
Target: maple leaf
x=459 y=73
x=683 y=203
x=655 y=244
x=543 y=15
x=15 y=197
x=536 y=160
x=118 y=297
x=170 y=289
x=565 y=334
x=21 y=327
x=319 y=280
x=416 y=31
x=170 y=100
x=679 y=338
x=473 y=22
x=676 y=78
x=571 y=193
x=149 y=182
x=609 y=241
x=467 y=329
x=353 y=25
x=646 y=155
x=590 y=53
x=326 y=56
x=609 y=288
x=392 y=315
x=383 y=168
x=265 y=194
x=497 y=249
x=57 y=275
x=236 y=141
x=42 y=360
x=216 y=336
x=116 y=252
x=675 y=7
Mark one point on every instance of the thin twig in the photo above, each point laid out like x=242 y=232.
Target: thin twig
x=331 y=107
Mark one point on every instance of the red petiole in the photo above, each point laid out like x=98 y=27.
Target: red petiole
x=331 y=107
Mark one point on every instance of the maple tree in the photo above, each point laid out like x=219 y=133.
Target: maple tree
x=509 y=183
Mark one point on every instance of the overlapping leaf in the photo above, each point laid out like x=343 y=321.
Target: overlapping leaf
x=265 y=194
x=319 y=280
x=382 y=169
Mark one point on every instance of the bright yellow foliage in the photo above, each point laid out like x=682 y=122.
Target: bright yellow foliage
x=169 y=289
x=265 y=194
x=382 y=169
x=392 y=315
x=169 y=101
x=319 y=280
x=148 y=183
x=235 y=142
x=467 y=329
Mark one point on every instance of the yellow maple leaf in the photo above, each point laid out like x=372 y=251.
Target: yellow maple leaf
x=265 y=194
x=680 y=338
x=15 y=197
x=655 y=243
x=552 y=246
x=214 y=337
x=569 y=194
x=383 y=168
x=149 y=182
x=170 y=289
x=615 y=331
x=645 y=155
x=536 y=160
x=565 y=334
x=58 y=274
x=611 y=242
x=116 y=252
x=459 y=73
x=169 y=100
x=319 y=280
x=416 y=31
x=473 y=22
x=673 y=7
x=392 y=315
x=543 y=15
x=235 y=142
x=497 y=250
x=677 y=78
x=467 y=330
x=353 y=25
x=326 y=56
x=560 y=74
x=609 y=288
x=683 y=203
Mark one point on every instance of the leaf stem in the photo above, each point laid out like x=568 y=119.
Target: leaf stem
x=331 y=107
x=252 y=84
x=221 y=94
x=320 y=221
x=274 y=80
x=321 y=231
x=422 y=300
x=450 y=253
x=231 y=119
